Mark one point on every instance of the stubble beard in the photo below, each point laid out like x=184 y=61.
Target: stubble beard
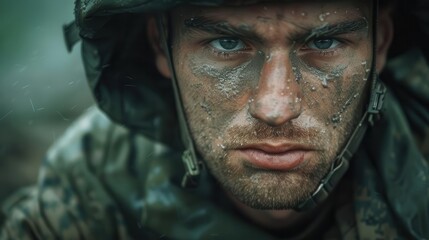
x=264 y=189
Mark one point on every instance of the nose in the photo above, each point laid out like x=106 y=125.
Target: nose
x=277 y=99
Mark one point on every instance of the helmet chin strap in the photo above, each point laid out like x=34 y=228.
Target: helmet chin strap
x=342 y=161
x=189 y=156
x=338 y=168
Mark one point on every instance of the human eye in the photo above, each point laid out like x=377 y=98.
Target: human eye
x=323 y=44
x=227 y=45
x=325 y=50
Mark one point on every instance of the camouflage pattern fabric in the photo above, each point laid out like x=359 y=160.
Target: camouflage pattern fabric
x=104 y=181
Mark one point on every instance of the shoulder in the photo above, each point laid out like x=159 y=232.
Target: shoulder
x=84 y=141
x=392 y=167
x=409 y=84
x=70 y=200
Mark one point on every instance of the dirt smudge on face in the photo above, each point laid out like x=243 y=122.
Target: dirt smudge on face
x=334 y=74
x=230 y=81
x=324 y=75
x=337 y=117
x=352 y=94
x=228 y=78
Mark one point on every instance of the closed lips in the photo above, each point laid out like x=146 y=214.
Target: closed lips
x=274 y=157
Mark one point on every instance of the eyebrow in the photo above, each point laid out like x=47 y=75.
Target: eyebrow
x=333 y=30
x=220 y=27
x=206 y=24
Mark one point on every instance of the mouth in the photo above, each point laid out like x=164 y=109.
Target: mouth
x=284 y=157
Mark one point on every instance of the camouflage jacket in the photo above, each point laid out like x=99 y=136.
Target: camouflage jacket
x=104 y=181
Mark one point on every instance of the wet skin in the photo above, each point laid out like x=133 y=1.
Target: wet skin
x=272 y=92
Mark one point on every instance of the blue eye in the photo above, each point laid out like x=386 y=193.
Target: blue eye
x=323 y=43
x=227 y=44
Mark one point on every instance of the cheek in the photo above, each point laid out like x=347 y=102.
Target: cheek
x=207 y=97
x=214 y=91
x=334 y=96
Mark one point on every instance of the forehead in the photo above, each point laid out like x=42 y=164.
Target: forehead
x=293 y=11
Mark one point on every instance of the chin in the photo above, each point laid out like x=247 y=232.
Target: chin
x=270 y=190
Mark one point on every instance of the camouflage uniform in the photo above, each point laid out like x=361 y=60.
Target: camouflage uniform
x=106 y=181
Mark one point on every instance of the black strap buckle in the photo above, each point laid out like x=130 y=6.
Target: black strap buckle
x=377 y=98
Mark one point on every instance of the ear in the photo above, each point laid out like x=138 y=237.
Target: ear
x=161 y=60
x=384 y=37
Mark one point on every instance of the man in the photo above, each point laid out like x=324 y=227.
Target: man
x=274 y=101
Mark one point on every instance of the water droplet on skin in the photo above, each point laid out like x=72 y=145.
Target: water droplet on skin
x=322 y=17
x=363 y=63
x=367 y=70
x=303 y=14
x=313 y=89
x=324 y=83
x=336 y=118
x=222 y=146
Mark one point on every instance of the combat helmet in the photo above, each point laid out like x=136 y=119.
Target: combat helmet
x=123 y=78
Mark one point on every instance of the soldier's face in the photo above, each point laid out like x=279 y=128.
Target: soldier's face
x=272 y=91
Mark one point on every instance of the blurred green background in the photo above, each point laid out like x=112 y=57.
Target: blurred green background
x=42 y=86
